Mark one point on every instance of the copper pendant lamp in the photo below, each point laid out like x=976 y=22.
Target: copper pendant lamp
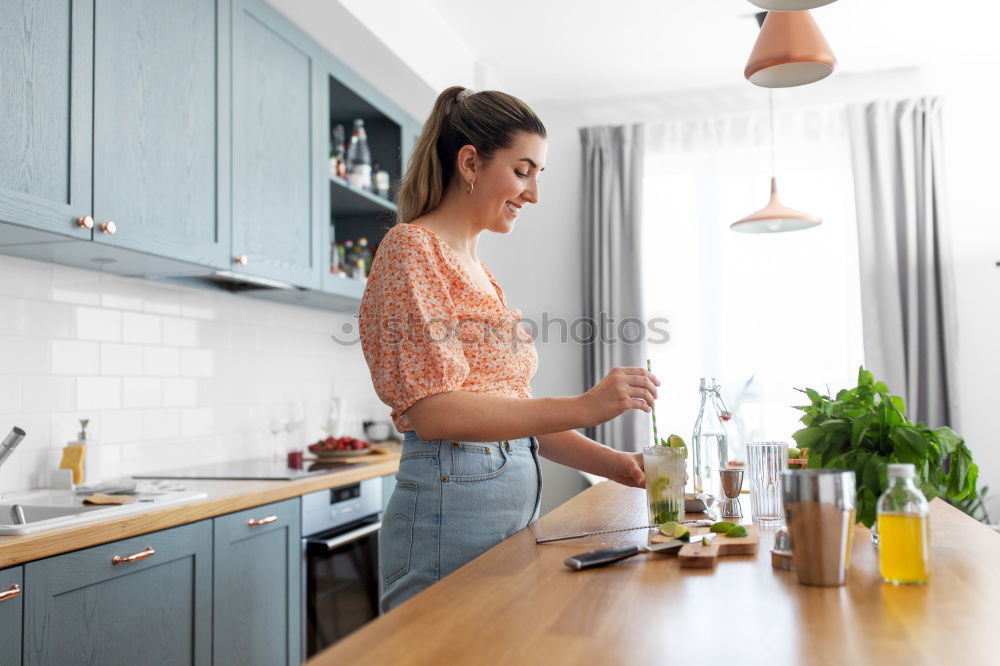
x=775 y=216
x=790 y=51
x=790 y=5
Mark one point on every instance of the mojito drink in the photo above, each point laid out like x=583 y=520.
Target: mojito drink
x=664 y=468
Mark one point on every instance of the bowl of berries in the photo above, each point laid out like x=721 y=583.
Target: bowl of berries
x=334 y=448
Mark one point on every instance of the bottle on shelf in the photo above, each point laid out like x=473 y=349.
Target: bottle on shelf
x=359 y=158
x=338 y=165
x=364 y=253
x=348 y=258
x=710 y=441
x=359 y=270
x=335 y=265
x=904 y=542
x=381 y=178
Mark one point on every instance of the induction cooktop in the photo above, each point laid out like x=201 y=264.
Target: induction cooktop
x=263 y=469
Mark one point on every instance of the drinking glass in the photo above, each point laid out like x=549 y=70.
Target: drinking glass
x=765 y=463
x=665 y=467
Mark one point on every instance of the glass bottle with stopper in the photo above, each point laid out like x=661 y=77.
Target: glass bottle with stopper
x=710 y=441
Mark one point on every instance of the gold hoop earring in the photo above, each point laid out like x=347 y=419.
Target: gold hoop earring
x=471 y=185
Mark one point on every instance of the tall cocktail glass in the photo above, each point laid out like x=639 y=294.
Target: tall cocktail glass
x=665 y=468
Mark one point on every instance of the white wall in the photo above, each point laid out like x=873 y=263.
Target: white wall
x=170 y=376
x=972 y=146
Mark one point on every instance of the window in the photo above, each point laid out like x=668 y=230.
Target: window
x=764 y=313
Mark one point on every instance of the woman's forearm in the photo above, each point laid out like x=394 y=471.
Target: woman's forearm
x=572 y=449
x=484 y=417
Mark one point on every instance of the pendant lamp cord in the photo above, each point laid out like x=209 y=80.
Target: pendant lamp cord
x=770 y=102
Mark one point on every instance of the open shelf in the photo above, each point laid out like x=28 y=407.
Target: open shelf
x=349 y=201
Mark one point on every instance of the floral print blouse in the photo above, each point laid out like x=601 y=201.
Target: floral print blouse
x=427 y=327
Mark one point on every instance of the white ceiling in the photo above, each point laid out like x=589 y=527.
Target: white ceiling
x=578 y=49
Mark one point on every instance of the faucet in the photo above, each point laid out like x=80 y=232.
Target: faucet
x=10 y=443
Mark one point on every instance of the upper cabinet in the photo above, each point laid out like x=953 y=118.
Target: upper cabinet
x=161 y=162
x=186 y=138
x=45 y=119
x=275 y=142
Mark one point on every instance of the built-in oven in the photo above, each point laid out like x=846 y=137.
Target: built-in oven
x=340 y=562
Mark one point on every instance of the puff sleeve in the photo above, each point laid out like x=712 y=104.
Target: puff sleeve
x=408 y=324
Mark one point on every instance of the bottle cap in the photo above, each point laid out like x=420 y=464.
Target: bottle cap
x=902 y=471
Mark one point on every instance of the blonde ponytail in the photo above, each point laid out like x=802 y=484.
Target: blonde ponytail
x=486 y=120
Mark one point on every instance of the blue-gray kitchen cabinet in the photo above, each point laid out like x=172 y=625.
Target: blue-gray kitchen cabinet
x=143 y=600
x=257 y=586
x=277 y=129
x=11 y=602
x=45 y=121
x=161 y=127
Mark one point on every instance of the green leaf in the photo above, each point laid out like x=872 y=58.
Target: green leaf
x=865 y=377
x=949 y=439
x=860 y=428
x=807 y=437
x=866 y=501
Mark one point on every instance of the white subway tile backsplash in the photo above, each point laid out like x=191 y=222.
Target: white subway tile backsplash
x=71 y=357
x=48 y=394
x=180 y=332
x=141 y=328
x=98 y=393
x=180 y=392
x=10 y=394
x=141 y=392
x=121 y=426
x=74 y=285
x=23 y=356
x=120 y=360
x=98 y=324
x=197 y=422
x=161 y=361
x=161 y=423
x=170 y=376
x=196 y=363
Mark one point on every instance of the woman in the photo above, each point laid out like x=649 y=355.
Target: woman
x=454 y=362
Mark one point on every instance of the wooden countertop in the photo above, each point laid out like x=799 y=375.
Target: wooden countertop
x=518 y=604
x=223 y=497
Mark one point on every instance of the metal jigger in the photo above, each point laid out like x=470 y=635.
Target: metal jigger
x=732 y=484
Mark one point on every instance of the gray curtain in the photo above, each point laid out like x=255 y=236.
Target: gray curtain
x=612 y=204
x=899 y=190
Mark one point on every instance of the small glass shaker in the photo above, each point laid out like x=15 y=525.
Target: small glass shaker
x=732 y=484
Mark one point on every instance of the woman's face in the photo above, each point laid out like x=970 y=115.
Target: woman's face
x=509 y=181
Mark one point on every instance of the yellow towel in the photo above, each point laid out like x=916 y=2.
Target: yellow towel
x=73 y=459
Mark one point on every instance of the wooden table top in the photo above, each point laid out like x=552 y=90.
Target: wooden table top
x=518 y=604
x=222 y=497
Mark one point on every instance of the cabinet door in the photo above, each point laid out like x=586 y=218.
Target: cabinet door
x=275 y=144
x=160 y=127
x=257 y=583
x=45 y=121
x=83 y=608
x=11 y=599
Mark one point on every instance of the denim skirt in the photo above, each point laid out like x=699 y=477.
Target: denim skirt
x=453 y=501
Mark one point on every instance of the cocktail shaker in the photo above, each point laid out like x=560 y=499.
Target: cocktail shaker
x=819 y=511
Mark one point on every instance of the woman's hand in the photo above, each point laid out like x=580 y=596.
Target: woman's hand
x=621 y=389
x=626 y=469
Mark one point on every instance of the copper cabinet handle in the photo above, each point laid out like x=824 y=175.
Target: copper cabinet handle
x=109 y=227
x=7 y=595
x=85 y=222
x=118 y=559
x=241 y=260
x=253 y=522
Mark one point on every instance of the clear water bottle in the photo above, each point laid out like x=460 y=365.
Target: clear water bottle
x=359 y=158
x=710 y=442
x=904 y=540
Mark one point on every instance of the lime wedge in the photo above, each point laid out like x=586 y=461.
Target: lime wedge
x=659 y=487
x=675 y=530
x=722 y=527
x=737 y=531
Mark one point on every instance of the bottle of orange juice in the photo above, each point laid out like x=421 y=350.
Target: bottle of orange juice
x=903 y=529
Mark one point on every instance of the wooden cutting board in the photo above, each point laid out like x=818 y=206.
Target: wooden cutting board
x=696 y=556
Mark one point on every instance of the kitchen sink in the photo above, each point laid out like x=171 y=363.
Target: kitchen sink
x=59 y=509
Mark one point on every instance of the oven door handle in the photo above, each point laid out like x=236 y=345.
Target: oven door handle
x=353 y=535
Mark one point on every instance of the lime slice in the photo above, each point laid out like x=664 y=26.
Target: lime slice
x=659 y=487
x=737 y=531
x=722 y=527
x=675 y=442
x=675 y=530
